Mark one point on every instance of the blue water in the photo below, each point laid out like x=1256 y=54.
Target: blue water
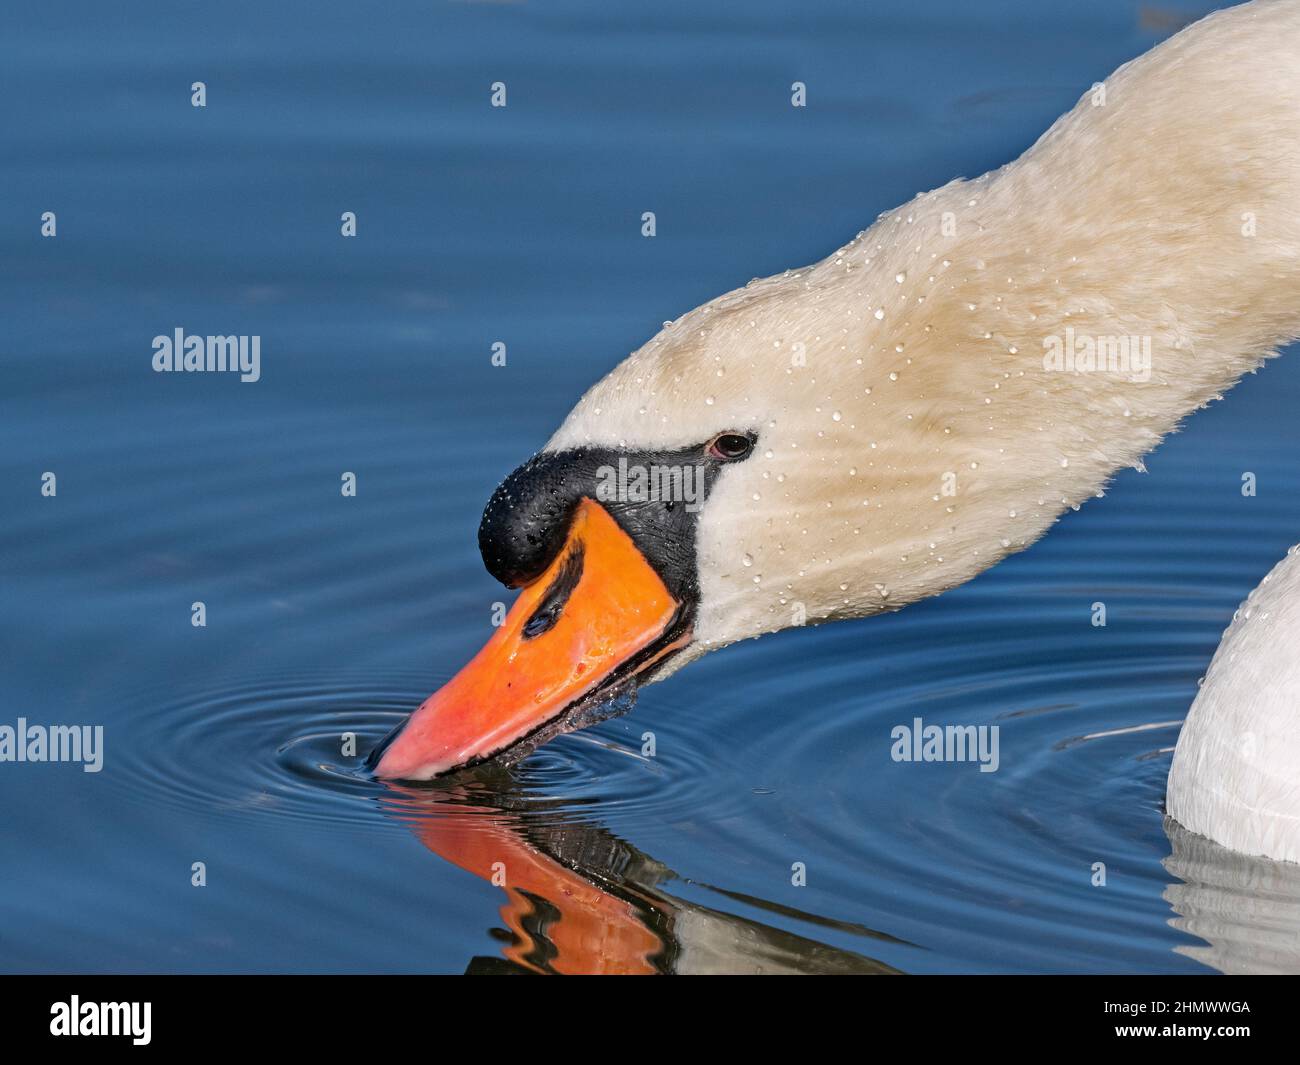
x=328 y=614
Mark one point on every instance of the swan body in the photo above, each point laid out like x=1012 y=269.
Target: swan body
x=1236 y=771
x=928 y=399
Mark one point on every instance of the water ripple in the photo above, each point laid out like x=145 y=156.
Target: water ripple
x=294 y=747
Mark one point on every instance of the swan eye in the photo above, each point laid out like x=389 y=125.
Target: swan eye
x=730 y=446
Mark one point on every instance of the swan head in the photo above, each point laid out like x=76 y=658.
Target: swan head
x=848 y=438
x=793 y=452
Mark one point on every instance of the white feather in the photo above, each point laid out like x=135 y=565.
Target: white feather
x=1236 y=771
x=910 y=432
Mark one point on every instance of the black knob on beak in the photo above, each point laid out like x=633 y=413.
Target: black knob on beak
x=525 y=522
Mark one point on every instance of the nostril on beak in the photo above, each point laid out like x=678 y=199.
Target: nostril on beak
x=548 y=611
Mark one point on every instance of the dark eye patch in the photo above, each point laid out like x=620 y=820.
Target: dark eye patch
x=552 y=605
x=526 y=522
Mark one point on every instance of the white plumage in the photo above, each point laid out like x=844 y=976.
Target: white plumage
x=1236 y=771
x=912 y=427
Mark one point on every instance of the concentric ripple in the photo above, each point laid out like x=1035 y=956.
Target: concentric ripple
x=275 y=746
x=295 y=747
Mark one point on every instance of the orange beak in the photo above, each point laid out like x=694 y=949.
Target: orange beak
x=597 y=616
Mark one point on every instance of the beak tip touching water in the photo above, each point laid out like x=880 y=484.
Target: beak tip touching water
x=598 y=615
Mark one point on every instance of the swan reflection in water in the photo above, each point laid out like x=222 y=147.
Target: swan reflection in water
x=580 y=900
x=1247 y=909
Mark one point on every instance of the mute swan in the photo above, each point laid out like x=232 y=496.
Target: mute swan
x=850 y=437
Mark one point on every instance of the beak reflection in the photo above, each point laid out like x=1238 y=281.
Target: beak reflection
x=580 y=900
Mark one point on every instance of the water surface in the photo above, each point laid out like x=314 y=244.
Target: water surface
x=329 y=615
